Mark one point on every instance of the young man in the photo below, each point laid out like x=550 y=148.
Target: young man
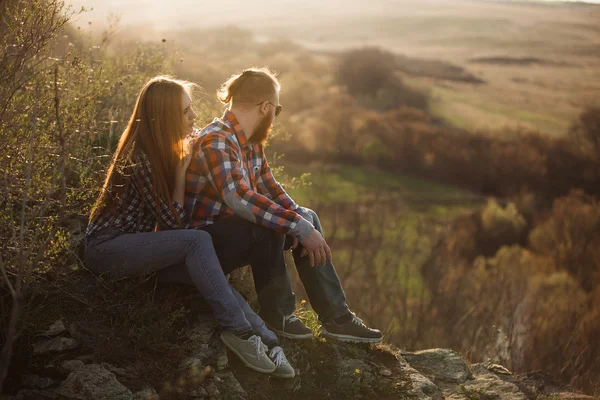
x=232 y=194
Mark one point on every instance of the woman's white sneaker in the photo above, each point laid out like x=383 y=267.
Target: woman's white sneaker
x=283 y=367
x=252 y=352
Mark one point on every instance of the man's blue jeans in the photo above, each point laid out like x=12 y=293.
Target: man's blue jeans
x=239 y=242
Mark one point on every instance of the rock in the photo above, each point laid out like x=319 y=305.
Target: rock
x=479 y=369
x=33 y=394
x=385 y=372
x=146 y=394
x=499 y=369
x=439 y=364
x=352 y=371
x=199 y=393
x=422 y=387
x=190 y=362
x=222 y=360
x=573 y=396
x=212 y=390
x=56 y=345
x=75 y=332
x=127 y=373
x=490 y=386
x=229 y=387
x=243 y=281
x=36 y=382
x=56 y=328
x=86 y=358
x=202 y=332
x=72 y=365
x=92 y=382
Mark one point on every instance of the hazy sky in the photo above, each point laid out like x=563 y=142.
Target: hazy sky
x=184 y=13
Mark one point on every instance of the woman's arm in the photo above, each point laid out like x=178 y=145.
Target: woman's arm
x=179 y=191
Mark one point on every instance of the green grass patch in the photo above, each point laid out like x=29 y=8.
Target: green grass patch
x=351 y=184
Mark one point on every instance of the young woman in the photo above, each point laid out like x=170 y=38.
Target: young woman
x=143 y=190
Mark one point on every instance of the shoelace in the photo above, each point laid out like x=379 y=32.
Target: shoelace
x=357 y=320
x=277 y=356
x=289 y=319
x=259 y=346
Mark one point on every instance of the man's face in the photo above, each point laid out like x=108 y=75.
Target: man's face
x=265 y=124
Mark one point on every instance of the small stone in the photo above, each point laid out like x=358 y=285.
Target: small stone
x=93 y=382
x=499 y=369
x=74 y=331
x=222 y=361
x=27 y=394
x=190 y=362
x=118 y=371
x=202 y=333
x=36 y=382
x=492 y=386
x=385 y=372
x=227 y=383
x=573 y=396
x=72 y=365
x=146 y=394
x=199 y=392
x=56 y=344
x=86 y=358
x=56 y=328
x=212 y=390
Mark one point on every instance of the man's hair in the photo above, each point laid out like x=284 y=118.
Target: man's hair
x=252 y=86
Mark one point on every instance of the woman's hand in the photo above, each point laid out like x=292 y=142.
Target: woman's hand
x=186 y=157
x=182 y=166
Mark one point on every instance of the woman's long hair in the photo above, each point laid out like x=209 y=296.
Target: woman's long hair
x=155 y=128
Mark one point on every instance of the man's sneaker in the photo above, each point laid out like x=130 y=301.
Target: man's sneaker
x=284 y=369
x=252 y=352
x=290 y=327
x=354 y=330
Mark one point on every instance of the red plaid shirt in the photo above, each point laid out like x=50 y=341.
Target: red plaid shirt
x=138 y=210
x=229 y=175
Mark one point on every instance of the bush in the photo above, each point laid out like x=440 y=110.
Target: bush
x=529 y=306
x=370 y=76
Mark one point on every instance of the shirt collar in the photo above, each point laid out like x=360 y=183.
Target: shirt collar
x=232 y=121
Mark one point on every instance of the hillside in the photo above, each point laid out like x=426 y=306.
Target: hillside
x=72 y=358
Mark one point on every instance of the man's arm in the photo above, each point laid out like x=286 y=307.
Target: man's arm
x=224 y=171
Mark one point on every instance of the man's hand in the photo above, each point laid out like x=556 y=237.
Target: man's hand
x=317 y=248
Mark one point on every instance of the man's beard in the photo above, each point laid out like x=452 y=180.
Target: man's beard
x=261 y=132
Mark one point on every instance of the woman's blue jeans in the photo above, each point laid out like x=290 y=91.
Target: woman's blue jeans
x=185 y=256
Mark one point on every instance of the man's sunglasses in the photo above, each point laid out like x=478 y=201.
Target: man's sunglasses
x=277 y=108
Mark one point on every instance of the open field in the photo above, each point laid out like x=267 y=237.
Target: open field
x=485 y=38
x=544 y=96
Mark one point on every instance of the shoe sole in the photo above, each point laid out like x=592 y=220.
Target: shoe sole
x=349 y=338
x=246 y=363
x=289 y=376
x=290 y=335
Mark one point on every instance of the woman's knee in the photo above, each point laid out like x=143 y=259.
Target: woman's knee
x=199 y=239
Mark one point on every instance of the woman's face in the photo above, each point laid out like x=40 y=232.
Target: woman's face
x=189 y=116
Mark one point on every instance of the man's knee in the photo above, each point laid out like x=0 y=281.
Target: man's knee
x=307 y=214
x=262 y=234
